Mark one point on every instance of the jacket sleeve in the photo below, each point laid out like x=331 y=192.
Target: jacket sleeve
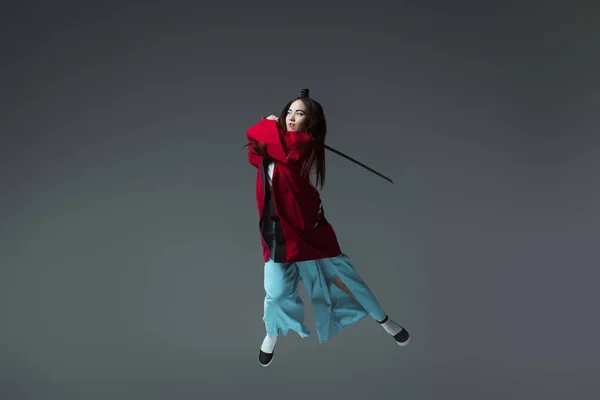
x=254 y=159
x=256 y=132
x=296 y=144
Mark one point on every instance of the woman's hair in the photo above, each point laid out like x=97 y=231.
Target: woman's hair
x=316 y=127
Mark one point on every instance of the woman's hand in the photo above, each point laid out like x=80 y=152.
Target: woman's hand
x=272 y=117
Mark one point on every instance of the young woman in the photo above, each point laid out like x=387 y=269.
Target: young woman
x=298 y=242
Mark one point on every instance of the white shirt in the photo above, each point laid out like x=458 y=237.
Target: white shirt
x=271 y=168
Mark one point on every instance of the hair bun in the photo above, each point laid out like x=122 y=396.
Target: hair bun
x=304 y=93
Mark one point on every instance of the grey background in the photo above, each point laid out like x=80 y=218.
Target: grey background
x=130 y=257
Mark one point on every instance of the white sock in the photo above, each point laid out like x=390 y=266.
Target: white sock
x=391 y=327
x=268 y=344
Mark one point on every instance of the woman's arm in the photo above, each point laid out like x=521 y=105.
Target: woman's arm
x=290 y=148
x=253 y=157
x=261 y=131
x=253 y=134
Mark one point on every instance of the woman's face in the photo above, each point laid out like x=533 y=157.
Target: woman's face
x=295 y=120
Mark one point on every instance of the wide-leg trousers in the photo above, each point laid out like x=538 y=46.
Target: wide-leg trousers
x=333 y=308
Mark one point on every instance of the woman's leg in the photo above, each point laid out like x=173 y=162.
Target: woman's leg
x=344 y=275
x=338 y=282
x=361 y=294
x=283 y=307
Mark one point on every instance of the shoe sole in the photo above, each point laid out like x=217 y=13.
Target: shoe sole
x=267 y=364
x=400 y=344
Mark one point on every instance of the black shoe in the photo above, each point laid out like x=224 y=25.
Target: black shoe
x=402 y=337
x=265 y=358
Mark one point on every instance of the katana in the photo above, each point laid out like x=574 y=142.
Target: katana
x=353 y=160
x=359 y=163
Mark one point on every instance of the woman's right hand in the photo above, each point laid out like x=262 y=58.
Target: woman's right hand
x=272 y=117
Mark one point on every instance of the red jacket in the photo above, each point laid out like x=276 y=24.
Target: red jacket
x=307 y=234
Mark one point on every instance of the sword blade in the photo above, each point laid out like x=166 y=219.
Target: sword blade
x=358 y=162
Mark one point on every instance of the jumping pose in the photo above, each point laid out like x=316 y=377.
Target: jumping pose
x=298 y=242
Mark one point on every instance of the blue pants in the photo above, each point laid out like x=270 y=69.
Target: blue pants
x=333 y=308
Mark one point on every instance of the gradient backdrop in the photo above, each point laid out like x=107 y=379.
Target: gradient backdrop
x=130 y=255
